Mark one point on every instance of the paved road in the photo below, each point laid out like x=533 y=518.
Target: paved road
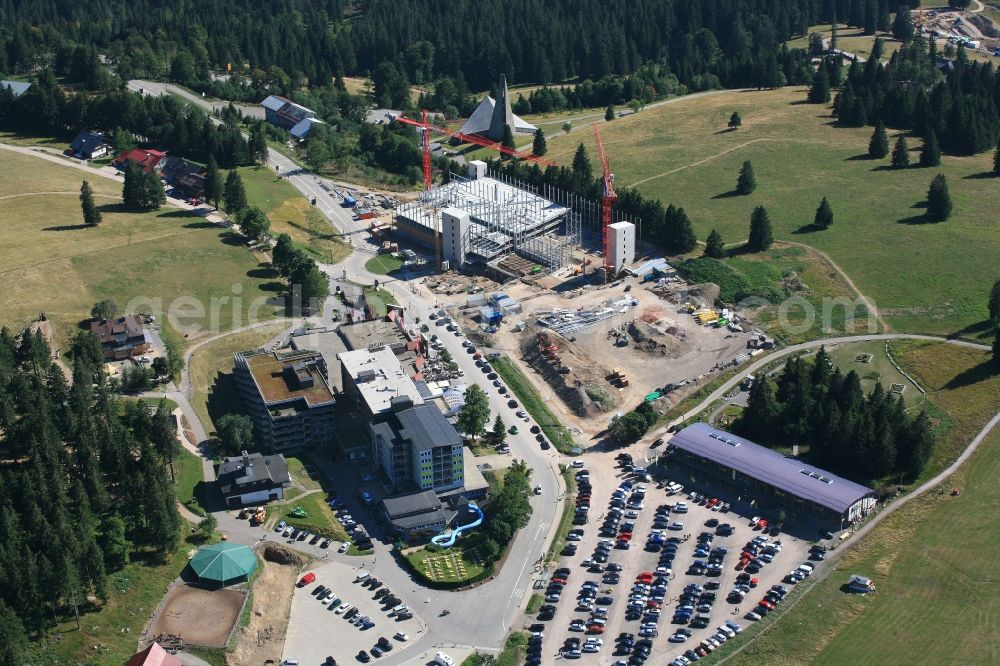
x=157 y=89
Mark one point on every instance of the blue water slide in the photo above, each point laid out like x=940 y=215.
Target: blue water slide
x=448 y=540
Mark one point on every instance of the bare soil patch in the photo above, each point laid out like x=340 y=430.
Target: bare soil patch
x=199 y=616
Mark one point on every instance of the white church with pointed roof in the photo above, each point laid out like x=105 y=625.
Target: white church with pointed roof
x=491 y=115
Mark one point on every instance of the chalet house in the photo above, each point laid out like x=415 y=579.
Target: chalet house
x=120 y=338
x=252 y=478
x=148 y=159
x=89 y=146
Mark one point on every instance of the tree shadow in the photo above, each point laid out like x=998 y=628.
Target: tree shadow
x=923 y=218
x=728 y=195
x=982 y=175
x=974 y=375
x=728 y=130
x=272 y=286
x=182 y=214
x=860 y=158
x=809 y=229
x=69 y=227
x=229 y=238
x=199 y=225
x=980 y=330
x=262 y=272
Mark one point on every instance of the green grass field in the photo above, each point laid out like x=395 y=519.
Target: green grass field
x=932 y=560
x=459 y=563
x=290 y=213
x=211 y=372
x=682 y=153
x=319 y=518
x=879 y=369
x=566 y=520
x=189 y=474
x=144 y=261
x=378 y=299
x=525 y=392
x=384 y=264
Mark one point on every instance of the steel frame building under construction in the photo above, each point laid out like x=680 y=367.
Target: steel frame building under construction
x=504 y=218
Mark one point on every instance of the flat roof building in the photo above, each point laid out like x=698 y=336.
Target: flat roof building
x=288 y=397
x=768 y=476
x=364 y=334
x=417 y=447
x=375 y=379
x=414 y=515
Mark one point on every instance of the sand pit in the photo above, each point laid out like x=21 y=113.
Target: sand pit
x=199 y=616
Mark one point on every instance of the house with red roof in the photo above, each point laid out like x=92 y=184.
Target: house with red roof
x=148 y=159
x=154 y=655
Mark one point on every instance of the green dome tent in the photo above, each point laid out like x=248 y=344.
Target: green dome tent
x=224 y=563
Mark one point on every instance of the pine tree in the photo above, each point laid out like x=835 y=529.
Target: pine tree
x=900 y=154
x=133 y=186
x=91 y=215
x=538 y=146
x=13 y=637
x=609 y=113
x=878 y=146
x=996 y=161
x=819 y=92
x=994 y=303
x=735 y=121
x=824 y=215
x=746 y=183
x=761 y=236
x=902 y=26
x=258 y=143
x=761 y=415
x=930 y=153
x=686 y=239
x=499 y=431
x=714 y=247
x=153 y=195
x=938 y=199
x=234 y=195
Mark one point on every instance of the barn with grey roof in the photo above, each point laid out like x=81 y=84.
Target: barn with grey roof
x=750 y=470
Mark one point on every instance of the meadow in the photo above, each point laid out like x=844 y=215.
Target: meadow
x=930 y=278
x=50 y=262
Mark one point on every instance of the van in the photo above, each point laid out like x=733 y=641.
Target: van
x=362 y=577
x=442 y=659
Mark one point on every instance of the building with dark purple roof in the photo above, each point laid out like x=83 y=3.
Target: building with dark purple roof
x=746 y=469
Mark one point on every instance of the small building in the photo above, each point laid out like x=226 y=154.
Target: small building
x=149 y=160
x=187 y=178
x=283 y=112
x=288 y=397
x=17 y=88
x=252 y=478
x=375 y=380
x=365 y=334
x=89 y=146
x=223 y=564
x=154 y=655
x=752 y=471
x=492 y=115
x=414 y=515
x=120 y=338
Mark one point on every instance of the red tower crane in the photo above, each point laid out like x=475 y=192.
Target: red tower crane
x=425 y=144
x=608 y=197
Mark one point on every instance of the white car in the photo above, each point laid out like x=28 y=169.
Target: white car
x=538 y=490
x=343 y=547
x=577 y=464
x=400 y=636
x=343 y=608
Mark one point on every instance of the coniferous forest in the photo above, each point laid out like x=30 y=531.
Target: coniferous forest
x=861 y=437
x=84 y=485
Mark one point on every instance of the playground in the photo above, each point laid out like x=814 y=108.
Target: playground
x=465 y=561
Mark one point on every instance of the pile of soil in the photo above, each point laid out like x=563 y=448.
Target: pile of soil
x=275 y=552
x=567 y=372
x=703 y=294
x=647 y=339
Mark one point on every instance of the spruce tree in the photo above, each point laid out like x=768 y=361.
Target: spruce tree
x=234 y=195
x=133 y=186
x=735 y=121
x=714 y=247
x=686 y=239
x=996 y=161
x=878 y=146
x=994 y=303
x=746 y=183
x=609 y=113
x=538 y=146
x=761 y=236
x=824 y=215
x=930 y=153
x=938 y=199
x=582 y=171
x=153 y=195
x=900 y=154
x=91 y=215
x=761 y=415
x=508 y=138
x=213 y=182
x=258 y=143
x=902 y=26
x=819 y=92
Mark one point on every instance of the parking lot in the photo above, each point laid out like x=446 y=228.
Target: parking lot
x=317 y=632
x=631 y=602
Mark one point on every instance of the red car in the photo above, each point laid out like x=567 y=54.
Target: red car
x=558 y=579
x=712 y=502
x=308 y=578
x=644 y=577
x=595 y=629
x=766 y=604
x=741 y=565
x=762 y=524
